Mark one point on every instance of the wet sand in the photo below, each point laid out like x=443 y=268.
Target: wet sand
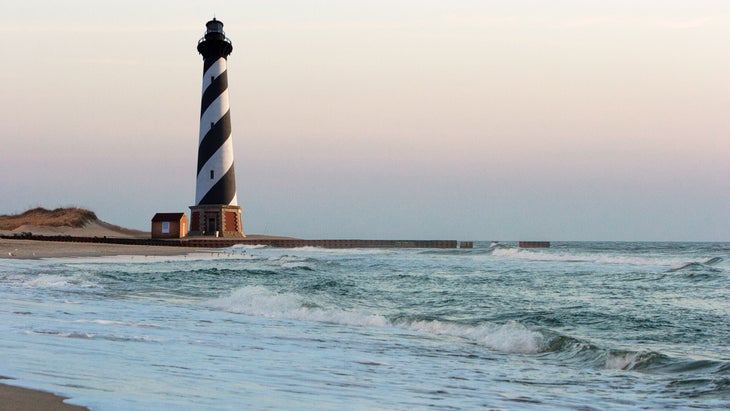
x=23 y=399
x=33 y=249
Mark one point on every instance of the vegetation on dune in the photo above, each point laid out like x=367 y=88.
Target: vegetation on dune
x=60 y=217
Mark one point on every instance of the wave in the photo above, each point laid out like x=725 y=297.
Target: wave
x=48 y=281
x=241 y=248
x=294 y=262
x=257 y=301
x=511 y=337
x=51 y=281
x=118 y=323
x=586 y=257
x=645 y=361
x=93 y=336
x=261 y=302
x=699 y=266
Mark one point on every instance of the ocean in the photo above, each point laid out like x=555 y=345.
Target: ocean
x=581 y=325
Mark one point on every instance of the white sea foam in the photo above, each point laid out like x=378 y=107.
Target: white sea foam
x=118 y=323
x=48 y=281
x=198 y=255
x=546 y=255
x=244 y=247
x=343 y=251
x=261 y=302
x=626 y=361
x=94 y=336
x=511 y=337
x=56 y=281
x=288 y=261
x=598 y=258
x=505 y=252
x=64 y=334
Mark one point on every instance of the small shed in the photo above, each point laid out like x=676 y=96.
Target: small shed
x=169 y=225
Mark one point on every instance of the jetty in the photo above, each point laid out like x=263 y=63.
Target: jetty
x=534 y=244
x=212 y=242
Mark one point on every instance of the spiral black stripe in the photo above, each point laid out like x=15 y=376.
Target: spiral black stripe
x=215 y=89
x=214 y=139
x=223 y=191
x=208 y=62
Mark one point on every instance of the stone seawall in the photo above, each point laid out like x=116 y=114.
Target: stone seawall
x=204 y=242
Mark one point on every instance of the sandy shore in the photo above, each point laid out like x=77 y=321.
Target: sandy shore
x=31 y=249
x=23 y=399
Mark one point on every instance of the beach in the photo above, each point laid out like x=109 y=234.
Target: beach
x=33 y=249
x=17 y=398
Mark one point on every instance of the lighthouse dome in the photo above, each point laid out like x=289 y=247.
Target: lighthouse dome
x=215 y=42
x=214 y=26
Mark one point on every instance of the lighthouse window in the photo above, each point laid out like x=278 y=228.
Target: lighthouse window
x=212 y=174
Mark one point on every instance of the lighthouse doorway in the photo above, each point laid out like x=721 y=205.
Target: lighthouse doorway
x=211 y=225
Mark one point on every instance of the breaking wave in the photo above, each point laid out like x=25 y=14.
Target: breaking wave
x=51 y=280
x=593 y=257
x=707 y=265
x=645 y=361
x=261 y=302
x=511 y=337
x=95 y=336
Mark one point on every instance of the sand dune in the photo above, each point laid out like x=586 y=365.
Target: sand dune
x=90 y=229
x=72 y=221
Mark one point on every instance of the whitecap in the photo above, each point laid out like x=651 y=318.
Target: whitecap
x=257 y=301
x=511 y=337
x=261 y=302
x=628 y=360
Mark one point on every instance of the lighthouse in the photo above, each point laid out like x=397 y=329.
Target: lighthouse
x=216 y=211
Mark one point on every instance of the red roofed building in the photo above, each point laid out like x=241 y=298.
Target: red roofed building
x=169 y=225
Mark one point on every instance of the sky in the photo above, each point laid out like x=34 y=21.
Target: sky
x=396 y=119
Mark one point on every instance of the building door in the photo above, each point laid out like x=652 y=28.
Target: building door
x=211 y=226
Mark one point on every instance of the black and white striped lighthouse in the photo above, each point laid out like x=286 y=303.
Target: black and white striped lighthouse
x=216 y=211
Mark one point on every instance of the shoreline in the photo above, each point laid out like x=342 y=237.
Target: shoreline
x=27 y=399
x=35 y=249
x=68 y=247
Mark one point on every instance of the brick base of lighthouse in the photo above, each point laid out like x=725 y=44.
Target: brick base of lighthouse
x=216 y=221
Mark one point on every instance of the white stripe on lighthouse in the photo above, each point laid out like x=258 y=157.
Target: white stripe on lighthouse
x=213 y=72
x=219 y=164
x=215 y=111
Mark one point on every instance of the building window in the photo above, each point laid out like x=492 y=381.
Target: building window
x=165 y=227
x=212 y=174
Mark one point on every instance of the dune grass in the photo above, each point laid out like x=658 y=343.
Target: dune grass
x=60 y=217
